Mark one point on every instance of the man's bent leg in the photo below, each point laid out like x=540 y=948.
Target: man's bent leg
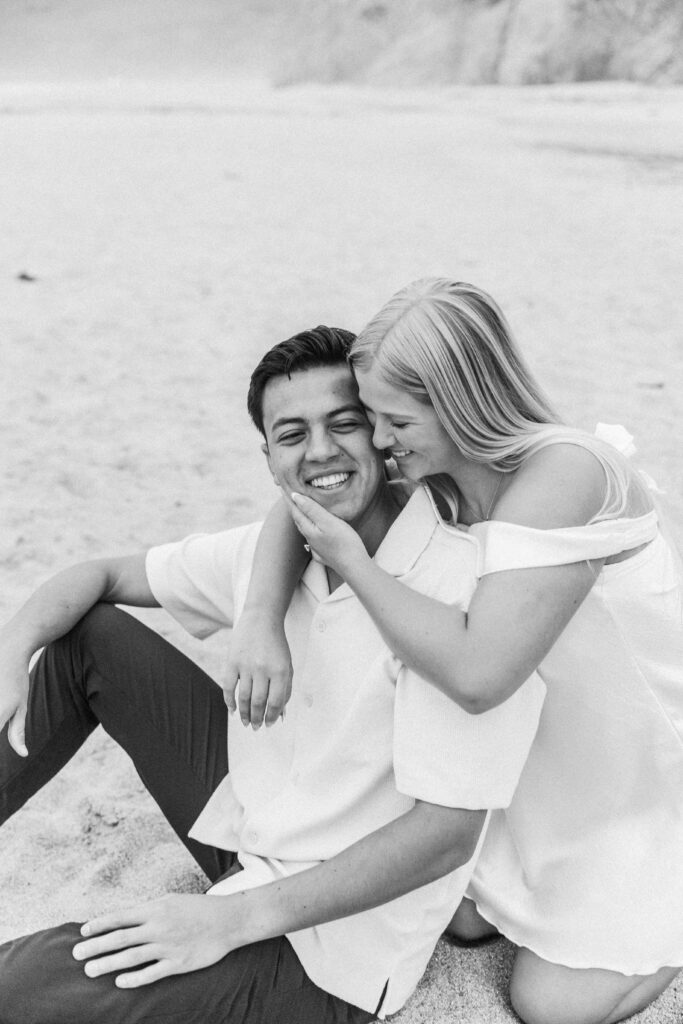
x=41 y=983
x=165 y=712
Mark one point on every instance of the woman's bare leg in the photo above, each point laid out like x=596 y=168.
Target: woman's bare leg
x=545 y=993
x=468 y=927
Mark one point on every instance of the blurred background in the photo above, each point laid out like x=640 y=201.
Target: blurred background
x=183 y=184
x=395 y=42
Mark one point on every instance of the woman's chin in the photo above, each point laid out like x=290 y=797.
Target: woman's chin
x=409 y=469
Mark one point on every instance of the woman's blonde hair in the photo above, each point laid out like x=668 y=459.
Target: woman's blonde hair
x=448 y=344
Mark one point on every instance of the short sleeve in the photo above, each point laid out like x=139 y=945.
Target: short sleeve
x=196 y=580
x=509 y=546
x=446 y=756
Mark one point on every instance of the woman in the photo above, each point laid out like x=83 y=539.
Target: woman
x=583 y=871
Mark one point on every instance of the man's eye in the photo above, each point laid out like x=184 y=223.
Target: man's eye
x=292 y=438
x=346 y=425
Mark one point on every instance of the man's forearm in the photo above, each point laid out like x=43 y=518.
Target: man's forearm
x=64 y=599
x=425 y=844
x=186 y=933
x=56 y=606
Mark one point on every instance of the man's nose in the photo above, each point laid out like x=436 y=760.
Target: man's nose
x=321 y=446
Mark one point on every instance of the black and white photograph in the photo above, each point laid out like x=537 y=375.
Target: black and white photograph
x=341 y=495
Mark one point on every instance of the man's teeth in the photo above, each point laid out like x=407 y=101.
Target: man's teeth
x=327 y=483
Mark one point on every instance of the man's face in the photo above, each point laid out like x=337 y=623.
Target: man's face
x=319 y=442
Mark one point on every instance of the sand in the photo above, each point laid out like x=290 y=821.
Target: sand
x=157 y=238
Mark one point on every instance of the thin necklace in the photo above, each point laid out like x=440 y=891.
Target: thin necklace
x=491 y=503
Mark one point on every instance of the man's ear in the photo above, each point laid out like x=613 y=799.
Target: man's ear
x=264 y=449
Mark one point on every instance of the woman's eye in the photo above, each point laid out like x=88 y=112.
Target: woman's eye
x=399 y=426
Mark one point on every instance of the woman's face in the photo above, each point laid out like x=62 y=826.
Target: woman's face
x=408 y=428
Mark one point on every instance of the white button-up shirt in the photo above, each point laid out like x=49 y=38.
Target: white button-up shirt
x=363 y=738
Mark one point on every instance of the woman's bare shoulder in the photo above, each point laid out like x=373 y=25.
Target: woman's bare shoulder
x=558 y=486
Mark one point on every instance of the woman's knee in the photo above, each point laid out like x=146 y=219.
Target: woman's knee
x=467 y=926
x=545 y=993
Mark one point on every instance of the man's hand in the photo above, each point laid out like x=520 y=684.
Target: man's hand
x=13 y=692
x=332 y=541
x=171 y=935
x=260 y=662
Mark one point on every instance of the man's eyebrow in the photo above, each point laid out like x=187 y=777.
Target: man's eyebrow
x=287 y=419
x=350 y=407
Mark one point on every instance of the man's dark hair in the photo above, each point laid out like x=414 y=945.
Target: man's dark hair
x=322 y=346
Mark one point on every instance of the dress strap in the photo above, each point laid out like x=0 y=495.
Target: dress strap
x=509 y=546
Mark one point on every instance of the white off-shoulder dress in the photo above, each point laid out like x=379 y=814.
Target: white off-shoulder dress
x=585 y=867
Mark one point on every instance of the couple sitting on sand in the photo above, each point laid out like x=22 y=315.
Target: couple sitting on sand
x=484 y=731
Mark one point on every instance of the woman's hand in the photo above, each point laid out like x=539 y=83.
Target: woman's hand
x=332 y=541
x=260 y=662
x=172 y=935
x=13 y=692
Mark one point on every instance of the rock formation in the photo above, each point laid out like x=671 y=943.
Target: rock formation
x=512 y=42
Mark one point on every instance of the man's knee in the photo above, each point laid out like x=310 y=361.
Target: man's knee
x=102 y=620
x=103 y=636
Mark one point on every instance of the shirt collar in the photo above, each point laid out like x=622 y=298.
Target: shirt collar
x=406 y=539
x=408 y=535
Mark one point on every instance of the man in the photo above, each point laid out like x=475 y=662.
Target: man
x=373 y=786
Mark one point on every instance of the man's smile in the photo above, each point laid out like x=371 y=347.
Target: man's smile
x=329 y=481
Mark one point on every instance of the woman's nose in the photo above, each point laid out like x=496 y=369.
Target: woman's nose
x=382 y=436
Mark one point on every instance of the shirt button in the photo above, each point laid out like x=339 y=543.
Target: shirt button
x=308 y=700
x=252 y=836
x=321 y=626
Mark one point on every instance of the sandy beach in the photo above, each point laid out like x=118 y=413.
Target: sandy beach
x=158 y=237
